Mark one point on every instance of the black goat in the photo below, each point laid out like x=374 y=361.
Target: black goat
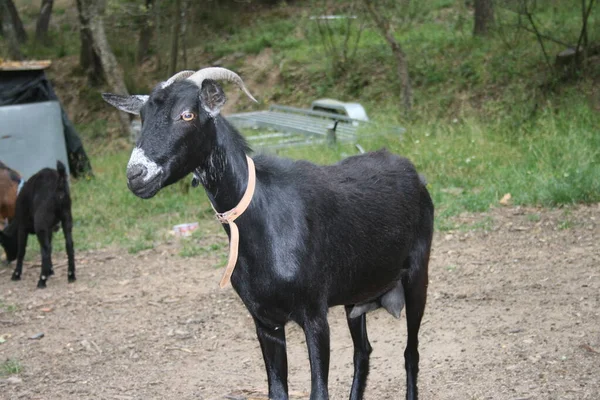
x=357 y=233
x=43 y=202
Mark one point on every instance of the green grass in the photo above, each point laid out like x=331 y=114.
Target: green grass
x=10 y=367
x=107 y=213
x=469 y=164
x=534 y=217
x=566 y=221
x=191 y=248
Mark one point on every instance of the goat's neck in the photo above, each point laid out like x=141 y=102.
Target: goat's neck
x=224 y=176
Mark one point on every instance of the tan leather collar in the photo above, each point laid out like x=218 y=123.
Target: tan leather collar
x=228 y=217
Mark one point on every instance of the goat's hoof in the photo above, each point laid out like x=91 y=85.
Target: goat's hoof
x=15 y=277
x=41 y=284
x=72 y=279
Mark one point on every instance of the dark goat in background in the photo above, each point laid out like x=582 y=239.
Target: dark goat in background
x=10 y=180
x=357 y=233
x=42 y=204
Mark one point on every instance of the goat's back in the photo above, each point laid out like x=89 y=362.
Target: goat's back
x=45 y=192
x=354 y=222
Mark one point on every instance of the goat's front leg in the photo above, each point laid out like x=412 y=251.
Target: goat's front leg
x=45 y=238
x=67 y=226
x=21 y=247
x=272 y=344
x=316 y=329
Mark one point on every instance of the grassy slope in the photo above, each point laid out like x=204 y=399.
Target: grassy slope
x=488 y=119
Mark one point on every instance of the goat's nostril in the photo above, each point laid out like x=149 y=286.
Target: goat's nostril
x=136 y=171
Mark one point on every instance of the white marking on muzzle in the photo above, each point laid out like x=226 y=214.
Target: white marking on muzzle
x=138 y=157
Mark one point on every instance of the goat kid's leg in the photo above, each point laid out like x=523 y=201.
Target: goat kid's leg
x=45 y=238
x=272 y=344
x=415 y=290
x=21 y=247
x=316 y=329
x=67 y=226
x=362 y=351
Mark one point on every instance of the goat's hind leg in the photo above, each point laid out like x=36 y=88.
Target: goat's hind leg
x=45 y=238
x=362 y=352
x=415 y=291
x=67 y=226
x=22 y=237
x=272 y=344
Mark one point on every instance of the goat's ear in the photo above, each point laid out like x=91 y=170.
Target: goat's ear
x=212 y=97
x=130 y=104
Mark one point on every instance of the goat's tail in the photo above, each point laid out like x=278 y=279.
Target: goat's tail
x=62 y=174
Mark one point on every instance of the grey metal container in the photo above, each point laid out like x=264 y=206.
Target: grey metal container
x=31 y=137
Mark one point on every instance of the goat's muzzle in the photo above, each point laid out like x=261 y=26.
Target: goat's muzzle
x=144 y=176
x=140 y=183
x=137 y=171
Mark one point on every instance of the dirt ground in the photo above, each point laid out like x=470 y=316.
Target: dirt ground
x=513 y=313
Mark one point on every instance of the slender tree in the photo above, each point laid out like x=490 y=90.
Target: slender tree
x=41 y=28
x=175 y=38
x=96 y=55
x=484 y=17
x=9 y=31
x=11 y=22
x=185 y=12
x=146 y=33
x=384 y=25
x=158 y=25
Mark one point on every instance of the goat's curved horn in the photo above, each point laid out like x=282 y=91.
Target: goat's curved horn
x=220 y=74
x=177 y=77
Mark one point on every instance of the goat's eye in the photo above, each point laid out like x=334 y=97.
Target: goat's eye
x=188 y=116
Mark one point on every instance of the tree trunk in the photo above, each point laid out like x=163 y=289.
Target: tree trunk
x=96 y=55
x=41 y=28
x=9 y=32
x=175 y=38
x=402 y=64
x=11 y=22
x=484 y=17
x=584 y=17
x=146 y=32
x=182 y=33
x=157 y=23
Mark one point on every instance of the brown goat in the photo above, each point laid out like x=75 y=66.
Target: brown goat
x=9 y=188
